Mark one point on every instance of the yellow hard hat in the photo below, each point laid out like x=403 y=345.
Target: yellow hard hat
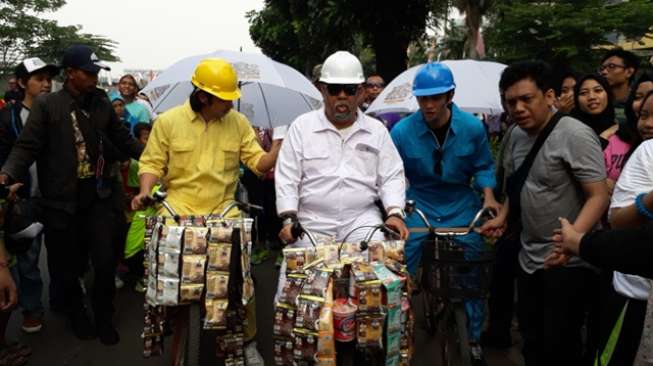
x=217 y=77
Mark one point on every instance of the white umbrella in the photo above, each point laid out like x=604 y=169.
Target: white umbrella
x=273 y=94
x=477 y=89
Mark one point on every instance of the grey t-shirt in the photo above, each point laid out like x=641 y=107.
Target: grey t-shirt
x=570 y=155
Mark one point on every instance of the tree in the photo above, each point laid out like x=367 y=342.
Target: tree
x=474 y=11
x=24 y=32
x=303 y=32
x=563 y=32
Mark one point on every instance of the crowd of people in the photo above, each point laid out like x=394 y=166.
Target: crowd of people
x=572 y=189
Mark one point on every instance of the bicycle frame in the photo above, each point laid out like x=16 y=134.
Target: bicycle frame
x=185 y=344
x=444 y=312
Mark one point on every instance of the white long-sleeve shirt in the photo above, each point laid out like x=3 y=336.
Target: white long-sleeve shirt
x=332 y=181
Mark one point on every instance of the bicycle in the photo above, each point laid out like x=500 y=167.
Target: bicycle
x=187 y=322
x=352 y=352
x=451 y=274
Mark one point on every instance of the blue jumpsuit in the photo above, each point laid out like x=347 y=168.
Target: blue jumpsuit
x=450 y=199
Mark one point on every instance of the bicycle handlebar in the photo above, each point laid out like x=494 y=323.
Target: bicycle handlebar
x=297 y=231
x=455 y=231
x=247 y=207
x=384 y=228
x=159 y=197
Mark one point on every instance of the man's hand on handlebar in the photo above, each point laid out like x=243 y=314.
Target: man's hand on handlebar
x=490 y=202
x=139 y=201
x=493 y=228
x=286 y=235
x=397 y=225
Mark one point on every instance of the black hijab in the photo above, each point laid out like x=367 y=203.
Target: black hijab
x=601 y=121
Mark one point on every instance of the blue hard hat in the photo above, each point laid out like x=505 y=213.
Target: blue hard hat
x=432 y=79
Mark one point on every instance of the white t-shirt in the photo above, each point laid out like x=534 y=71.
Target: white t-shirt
x=636 y=178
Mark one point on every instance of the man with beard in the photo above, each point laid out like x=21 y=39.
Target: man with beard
x=336 y=163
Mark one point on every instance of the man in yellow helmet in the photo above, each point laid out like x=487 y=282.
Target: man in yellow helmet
x=195 y=150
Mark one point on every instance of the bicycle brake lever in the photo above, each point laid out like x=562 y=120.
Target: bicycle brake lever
x=297 y=231
x=390 y=232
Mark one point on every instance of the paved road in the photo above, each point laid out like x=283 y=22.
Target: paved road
x=55 y=345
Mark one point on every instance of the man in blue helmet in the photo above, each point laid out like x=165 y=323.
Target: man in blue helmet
x=448 y=163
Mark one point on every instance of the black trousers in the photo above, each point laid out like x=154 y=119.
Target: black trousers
x=631 y=329
x=553 y=306
x=502 y=288
x=262 y=193
x=90 y=233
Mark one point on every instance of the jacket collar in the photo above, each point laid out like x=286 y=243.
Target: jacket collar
x=196 y=117
x=422 y=128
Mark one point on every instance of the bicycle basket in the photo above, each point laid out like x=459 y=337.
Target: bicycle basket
x=457 y=272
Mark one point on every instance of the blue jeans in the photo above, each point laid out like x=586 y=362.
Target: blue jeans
x=27 y=275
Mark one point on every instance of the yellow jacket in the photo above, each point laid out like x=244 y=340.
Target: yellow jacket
x=198 y=162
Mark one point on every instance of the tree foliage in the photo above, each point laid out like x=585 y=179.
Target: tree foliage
x=25 y=33
x=563 y=32
x=303 y=32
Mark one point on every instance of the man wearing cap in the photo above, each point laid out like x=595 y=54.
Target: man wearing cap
x=75 y=137
x=336 y=163
x=448 y=163
x=34 y=78
x=196 y=149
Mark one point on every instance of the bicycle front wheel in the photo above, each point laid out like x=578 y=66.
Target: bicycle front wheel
x=455 y=340
x=193 y=339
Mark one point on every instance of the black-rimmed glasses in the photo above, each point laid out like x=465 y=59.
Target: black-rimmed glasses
x=335 y=89
x=610 y=67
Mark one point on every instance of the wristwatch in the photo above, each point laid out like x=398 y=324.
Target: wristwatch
x=288 y=219
x=397 y=212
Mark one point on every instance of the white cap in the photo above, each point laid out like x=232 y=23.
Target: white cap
x=342 y=68
x=33 y=64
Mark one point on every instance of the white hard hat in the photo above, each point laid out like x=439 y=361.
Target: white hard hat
x=342 y=68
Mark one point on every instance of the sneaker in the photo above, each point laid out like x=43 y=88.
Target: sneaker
x=252 y=357
x=82 y=285
x=260 y=255
x=140 y=286
x=476 y=353
x=81 y=325
x=108 y=334
x=32 y=323
x=119 y=282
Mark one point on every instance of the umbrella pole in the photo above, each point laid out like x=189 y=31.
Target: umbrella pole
x=240 y=83
x=265 y=103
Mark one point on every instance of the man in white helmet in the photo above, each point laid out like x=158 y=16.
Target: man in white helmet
x=336 y=162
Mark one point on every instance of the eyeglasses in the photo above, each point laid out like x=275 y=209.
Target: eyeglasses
x=335 y=89
x=437 y=161
x=374 y=85
x=610 y=67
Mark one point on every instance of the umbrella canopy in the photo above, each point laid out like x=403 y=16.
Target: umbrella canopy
x=477 y=89
x=273 y=94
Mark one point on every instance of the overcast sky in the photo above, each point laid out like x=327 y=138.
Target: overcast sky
x=156 y=33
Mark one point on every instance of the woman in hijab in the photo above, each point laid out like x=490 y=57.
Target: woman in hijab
x=595 y=107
